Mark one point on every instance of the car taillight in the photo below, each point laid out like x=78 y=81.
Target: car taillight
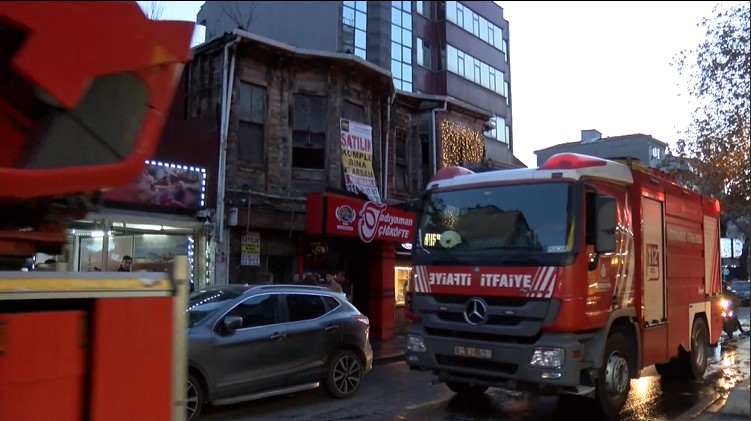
x=363 y=319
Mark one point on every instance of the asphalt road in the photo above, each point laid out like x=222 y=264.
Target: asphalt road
x=393 y=392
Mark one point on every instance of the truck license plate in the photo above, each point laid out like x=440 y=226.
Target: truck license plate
x=468 y=351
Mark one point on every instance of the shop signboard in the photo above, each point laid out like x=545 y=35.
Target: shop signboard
x=330 y=214
x=357 y=159
x=250 y=247
x=163 y=184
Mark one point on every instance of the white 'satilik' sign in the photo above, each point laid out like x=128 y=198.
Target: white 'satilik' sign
x=357 y=159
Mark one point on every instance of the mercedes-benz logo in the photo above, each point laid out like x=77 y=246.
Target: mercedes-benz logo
x=476 y=311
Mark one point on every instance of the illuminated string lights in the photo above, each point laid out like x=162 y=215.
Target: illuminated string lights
x=460 y=144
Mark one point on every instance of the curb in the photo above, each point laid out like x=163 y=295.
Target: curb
x=386 y=359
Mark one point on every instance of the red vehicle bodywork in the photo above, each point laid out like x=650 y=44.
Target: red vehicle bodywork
x=662 y=276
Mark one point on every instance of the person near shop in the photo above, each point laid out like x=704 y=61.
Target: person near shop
x=126 y=265
x=331 y=283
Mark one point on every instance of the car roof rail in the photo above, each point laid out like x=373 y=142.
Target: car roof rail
x=287 y=286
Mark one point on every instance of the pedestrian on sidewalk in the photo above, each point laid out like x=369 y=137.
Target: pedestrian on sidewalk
x=331 y=283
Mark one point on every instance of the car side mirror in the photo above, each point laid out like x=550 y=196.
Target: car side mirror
x=233 y=322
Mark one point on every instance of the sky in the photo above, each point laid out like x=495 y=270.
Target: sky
x=585 y=65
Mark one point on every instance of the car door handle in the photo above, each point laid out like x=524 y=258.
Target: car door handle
x=331 y=328
x=278 y=335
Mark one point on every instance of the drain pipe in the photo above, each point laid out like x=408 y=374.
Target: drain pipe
x=227 y=82
x=385 y=183
x=434 y=139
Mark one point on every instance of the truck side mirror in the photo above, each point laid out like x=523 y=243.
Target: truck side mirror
x=412 y=204
x=605 y=224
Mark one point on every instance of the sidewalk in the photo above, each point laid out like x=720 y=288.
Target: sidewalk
x=388 y=350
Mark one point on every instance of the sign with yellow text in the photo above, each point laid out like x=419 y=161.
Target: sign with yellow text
x=357 y=159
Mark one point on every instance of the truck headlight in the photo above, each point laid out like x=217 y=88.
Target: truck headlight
x=547 y=357
x=725 y=303
x=416 y=343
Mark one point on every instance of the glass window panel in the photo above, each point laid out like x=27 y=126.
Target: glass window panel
x=250 y=142
x=483 y=29
x=396 y=51
x=467 y=20
x=397 y=84
x=505 y=48
x=396 y=69
x=484 y=74
x=359 y=52
x=476 y=75
x=407 y=20
x=498 y=37
x=317 y=114
x=451 y=11
x=407 y=38
x=407 y=86
x=490 y=36
x=360 y=39
x=407 y=5
x=396 y=34
x=348 y=16
x=396 y=4
x=361 y=21
x=508 y=134
x=407 y=73
x=244 y=98
x=406 y=55
x=301 y=113
x=452 y=59
x=349 y=4
x=505 y=90
x=396 y=16
x=361 y=6
x=258 y=105
x=348 y=36
x=475 y=25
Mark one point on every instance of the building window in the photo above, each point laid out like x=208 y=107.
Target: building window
x=401 y=44
x=499 y=131
x=463 y=17
x=251 y=116
x=353 y=112
x=473 y=69
x=401 y=166
x=423 y=53
x=355 y=27
x=309 y=132
x=656 y=152
x=423 y=8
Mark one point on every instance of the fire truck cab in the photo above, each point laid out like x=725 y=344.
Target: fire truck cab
x=565 y=279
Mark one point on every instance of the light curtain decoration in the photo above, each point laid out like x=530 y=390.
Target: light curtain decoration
x=460 y=144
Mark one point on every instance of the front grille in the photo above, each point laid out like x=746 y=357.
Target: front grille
x=476 y=364
x=481 y=336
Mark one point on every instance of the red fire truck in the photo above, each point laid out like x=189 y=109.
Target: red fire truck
x=566 y=279
x=85 y=89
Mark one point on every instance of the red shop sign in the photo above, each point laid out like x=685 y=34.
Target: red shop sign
x=331 y=214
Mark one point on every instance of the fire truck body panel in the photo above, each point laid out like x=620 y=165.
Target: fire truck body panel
x=488 y=301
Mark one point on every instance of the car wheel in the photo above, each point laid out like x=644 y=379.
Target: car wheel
x=194 y=399
x=344 y=375
x=466 y=389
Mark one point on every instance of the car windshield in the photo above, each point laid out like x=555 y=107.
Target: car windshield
x=522 y=218
x=204 y=303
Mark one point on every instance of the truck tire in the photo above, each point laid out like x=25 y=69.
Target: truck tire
x=614 y=381
x=693 y=363
x=466 y=389
x=194 y=398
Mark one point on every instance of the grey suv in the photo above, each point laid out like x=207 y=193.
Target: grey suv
x=248 y=342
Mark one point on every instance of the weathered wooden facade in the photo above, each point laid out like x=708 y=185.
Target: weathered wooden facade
x=279 y=135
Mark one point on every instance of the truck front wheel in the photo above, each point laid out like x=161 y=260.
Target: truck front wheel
x=466 y=389
x=614 y=382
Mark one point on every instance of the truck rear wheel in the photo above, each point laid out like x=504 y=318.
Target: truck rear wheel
x=614 y=381
x=466 y=389
x=693 y=363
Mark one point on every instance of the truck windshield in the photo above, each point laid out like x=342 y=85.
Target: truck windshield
x=519 y=218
